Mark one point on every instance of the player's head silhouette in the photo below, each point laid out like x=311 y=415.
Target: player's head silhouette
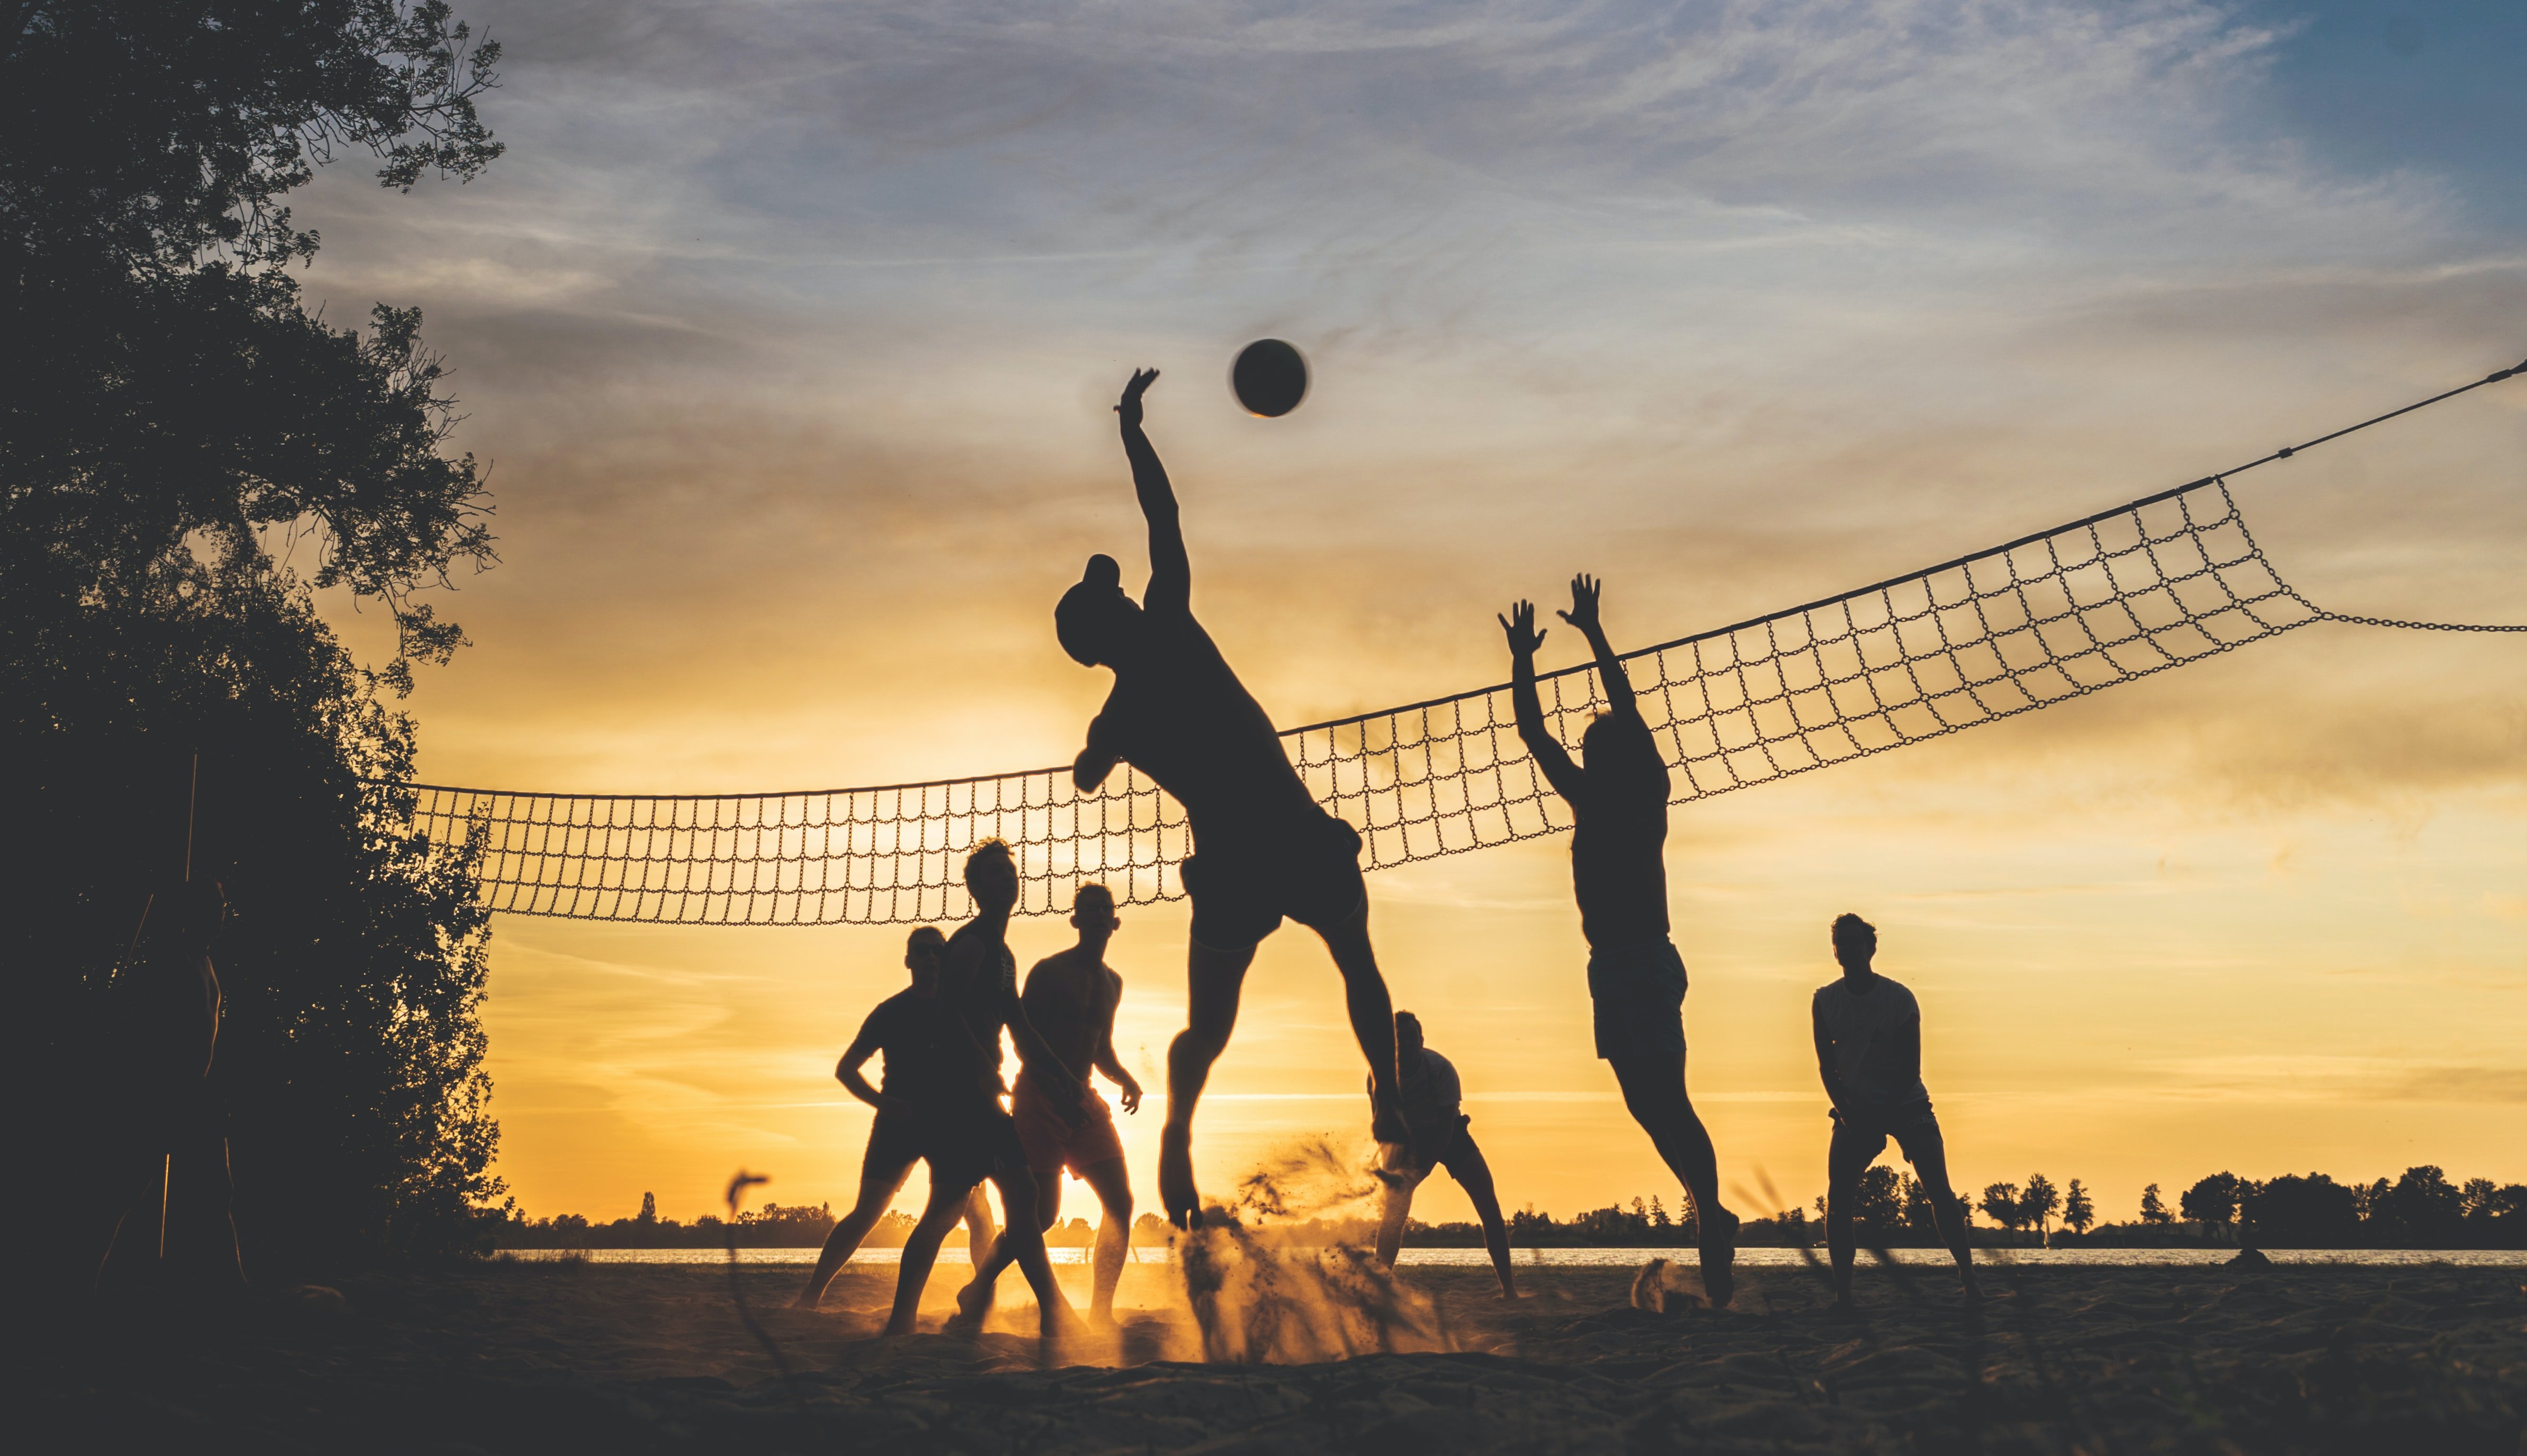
x=1096 y=619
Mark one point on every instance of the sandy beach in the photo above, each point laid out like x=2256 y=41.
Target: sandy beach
x=538 y=1358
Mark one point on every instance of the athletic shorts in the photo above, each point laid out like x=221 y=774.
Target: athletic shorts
x=895 y=1140
x=1243 y=885
x=1053 y=1142
x=972 y=1144
x=1447 y=1146
x=1861 y=1135
x=1639 y=992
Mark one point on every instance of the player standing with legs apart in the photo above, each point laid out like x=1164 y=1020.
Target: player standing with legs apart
x=1619 y=870
x=1431 y=1097
x=1868 y=1050
x=1263 y=849
x=924 y=1052
x=972 y=1137
x=1070 y=999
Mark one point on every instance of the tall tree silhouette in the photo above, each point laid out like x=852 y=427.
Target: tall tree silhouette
x=2078 y=1211
x=185 y=456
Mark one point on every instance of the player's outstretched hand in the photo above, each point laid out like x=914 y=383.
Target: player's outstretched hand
x=1584 y=602
x=1131 y=1096
x=1130 y=407
x=1520 y=624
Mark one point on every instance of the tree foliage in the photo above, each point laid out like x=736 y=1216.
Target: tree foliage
x=187 y=455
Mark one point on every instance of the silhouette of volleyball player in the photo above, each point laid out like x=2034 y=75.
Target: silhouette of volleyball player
x=1263 y=849
x=1070 y=999
x=1619 y=870
x=1868 y=1050
x=924 y=1049
x=175 y=1212
x=1431 y=1097
x=972 y=1138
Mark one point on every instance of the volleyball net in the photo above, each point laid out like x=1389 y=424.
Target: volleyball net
x=2170 y=579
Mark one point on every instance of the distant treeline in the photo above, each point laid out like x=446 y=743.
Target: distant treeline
x=2420 y=1210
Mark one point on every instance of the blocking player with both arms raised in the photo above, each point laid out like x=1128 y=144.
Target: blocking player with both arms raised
x=1869 y=1052
x=1264 y=851
x=1619 y=870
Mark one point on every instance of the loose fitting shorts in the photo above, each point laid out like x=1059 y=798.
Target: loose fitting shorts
x=970 y=1144
x=1244 y=885
x=1053 y=1142
x=1639 y=992
x=1860 y=1135
x=1447 y=1146
x=896 y=1140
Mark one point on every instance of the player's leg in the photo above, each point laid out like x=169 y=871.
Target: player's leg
x=1466 y=1165
x=1927 y=1152
x=1399 y=1175
x=1000 y=1253
x=1214 y=979
x=978 y=1225
x=1113 y=1184
x=1017 y=1202
x=1365 y=998
x=946 y=1205
x=1653 y=1083
x=1846 y=1158
x=883 y=1170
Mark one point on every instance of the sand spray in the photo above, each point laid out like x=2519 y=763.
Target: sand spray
x=1259 y=1300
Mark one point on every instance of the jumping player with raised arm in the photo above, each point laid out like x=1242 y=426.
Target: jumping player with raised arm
x=1070 y=999
x=1869 y=1052
x=972 y=1137
x=1619 y=870
x=1263 y=849
x=926 y=1052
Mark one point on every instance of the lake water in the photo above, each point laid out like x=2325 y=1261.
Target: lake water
x=1624 y=1258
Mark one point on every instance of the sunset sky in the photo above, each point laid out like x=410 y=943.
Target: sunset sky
x=790 y=331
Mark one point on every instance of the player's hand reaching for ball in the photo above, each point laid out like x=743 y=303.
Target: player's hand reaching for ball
x=1520 y=624
x=1584 y=602
x=1130 y=407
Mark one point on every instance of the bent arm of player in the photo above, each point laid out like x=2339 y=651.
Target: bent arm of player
x=1620 y=696
x=1096 y=760
x=1171 y=588
x=848 y=1073
x=1825 y=1061
x=1549 y=754
x=1113 y=1065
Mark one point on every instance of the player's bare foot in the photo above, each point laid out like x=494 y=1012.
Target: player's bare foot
x=1176 y=1193
x=973 y=1307
x=1719 y=1253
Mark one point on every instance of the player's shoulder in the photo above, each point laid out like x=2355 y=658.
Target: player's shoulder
x=1902 y=994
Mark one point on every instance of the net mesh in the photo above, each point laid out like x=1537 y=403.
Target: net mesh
x=2046 y=618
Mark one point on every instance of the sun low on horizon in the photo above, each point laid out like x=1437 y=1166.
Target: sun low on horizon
x=791 y=336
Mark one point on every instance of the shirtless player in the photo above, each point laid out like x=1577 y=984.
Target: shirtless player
x=971 y=1138
x=1618 y=869
x=1070 y=999
x=1264 y=851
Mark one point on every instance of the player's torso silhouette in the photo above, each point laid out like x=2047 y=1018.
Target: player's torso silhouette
x=1179 y=714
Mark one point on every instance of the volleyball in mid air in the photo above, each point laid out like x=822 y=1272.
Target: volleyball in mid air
x=1270 y=378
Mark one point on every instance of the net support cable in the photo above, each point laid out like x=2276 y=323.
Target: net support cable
x=2169 y=579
